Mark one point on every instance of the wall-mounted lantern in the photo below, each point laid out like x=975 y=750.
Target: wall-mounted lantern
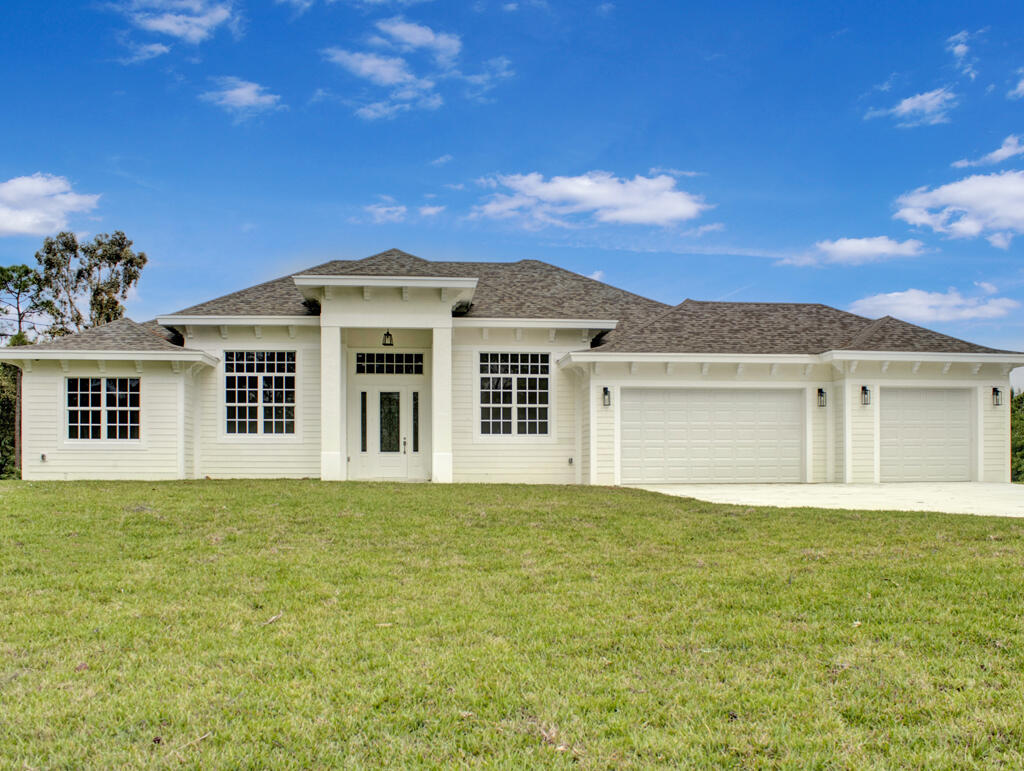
x=388 y=340
x=997 y=397
x=865 y=395
x=606 y=397
x=822 y=398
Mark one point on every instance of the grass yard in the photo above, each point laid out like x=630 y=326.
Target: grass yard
x=300 y=624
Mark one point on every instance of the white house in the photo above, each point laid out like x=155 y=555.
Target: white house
x=394 y=367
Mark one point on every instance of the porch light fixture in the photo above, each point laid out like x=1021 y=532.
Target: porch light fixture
x=865 y=395
x=388 y=340
x=822 y=398
x=997 y=397
x=606 y=397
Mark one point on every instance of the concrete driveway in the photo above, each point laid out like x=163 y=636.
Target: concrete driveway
x=985 y=498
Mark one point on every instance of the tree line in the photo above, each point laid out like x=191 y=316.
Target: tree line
x=74 y=285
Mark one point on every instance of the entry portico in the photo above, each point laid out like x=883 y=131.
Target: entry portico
x=355 y=311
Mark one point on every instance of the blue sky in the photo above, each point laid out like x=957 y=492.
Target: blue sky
x=865 y=155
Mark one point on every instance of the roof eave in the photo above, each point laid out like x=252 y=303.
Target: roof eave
x=531 y=323
x=1010 y=357
x=26 y=353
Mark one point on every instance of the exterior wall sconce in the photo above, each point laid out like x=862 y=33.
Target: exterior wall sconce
x=997 y=397
x=822 y=398
x=606 y=397
x=388 y=340
x=865 y=395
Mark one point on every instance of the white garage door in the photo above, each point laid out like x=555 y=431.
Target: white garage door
x=709 y=435
x=925 y=434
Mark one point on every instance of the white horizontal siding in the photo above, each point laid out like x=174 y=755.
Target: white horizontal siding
x=995 y=454
x=544 y=460
x=224 y=456
x=154 y=456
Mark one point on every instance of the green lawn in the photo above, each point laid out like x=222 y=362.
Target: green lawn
x=301 y=624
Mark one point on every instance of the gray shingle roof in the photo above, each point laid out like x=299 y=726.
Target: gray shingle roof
x=524 y=289
x=120 y=335
x=778 y=328
x=890 y=334
x=533 y=289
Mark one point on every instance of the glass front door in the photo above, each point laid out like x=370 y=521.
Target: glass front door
x=390 y=432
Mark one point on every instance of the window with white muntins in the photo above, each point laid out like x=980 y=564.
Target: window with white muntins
x=514 y=394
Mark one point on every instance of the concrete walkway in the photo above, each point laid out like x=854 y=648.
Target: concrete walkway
x=984 y=498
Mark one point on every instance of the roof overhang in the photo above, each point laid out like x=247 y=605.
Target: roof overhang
x=26 y=353
x=238 y=321
x=509 y=323
x=586 y=357
x=1016 y=359
x=454 y=289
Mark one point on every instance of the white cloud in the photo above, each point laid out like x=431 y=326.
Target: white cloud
x=430 y=211
x=857 y=251
x=1011 y=147
x=655 y=170
x=990 y=205
x=242 y=98
x=987 y=287
x=382 y=213
x=597 y=194
x=143 y=53
x=455 y=186
x=711 y=227
x=442 y=160
x=510 y=7
x=1017 y=92
x=39 y=204
x=409 y=36
x=957 y=45
x=497 y=69
x=919 y=305
x=380 y=70
x=300 y=6
x=597 y=275
x=407 y=90
x=190 y=20
x=927 y=109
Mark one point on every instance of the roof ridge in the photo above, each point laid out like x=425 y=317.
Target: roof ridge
x=652 y=321
x=865 y=334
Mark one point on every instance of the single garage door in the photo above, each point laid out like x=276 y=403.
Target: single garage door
x=708 y=435
x=925 y=434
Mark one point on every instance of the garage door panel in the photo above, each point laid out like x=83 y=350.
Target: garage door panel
x=925 y=434
x=706 y=435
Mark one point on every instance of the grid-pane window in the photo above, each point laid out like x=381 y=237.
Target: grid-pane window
x=85 y=402
x=259 y=392
x=389 y=363
x=514 y=393
x=101 y=408
x=122 y=402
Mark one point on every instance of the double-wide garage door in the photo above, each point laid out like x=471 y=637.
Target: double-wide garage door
x=677 y=435
x=925 y=434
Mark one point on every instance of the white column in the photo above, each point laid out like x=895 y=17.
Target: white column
x=332 y=402
x=441 y=405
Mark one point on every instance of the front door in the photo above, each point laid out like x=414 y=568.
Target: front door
x=391 y=432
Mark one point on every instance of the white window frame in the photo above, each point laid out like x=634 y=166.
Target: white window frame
x=66 y=424
x=553 y=374
x=258 y=438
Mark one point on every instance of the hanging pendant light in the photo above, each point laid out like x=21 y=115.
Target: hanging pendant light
x=387 y=340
